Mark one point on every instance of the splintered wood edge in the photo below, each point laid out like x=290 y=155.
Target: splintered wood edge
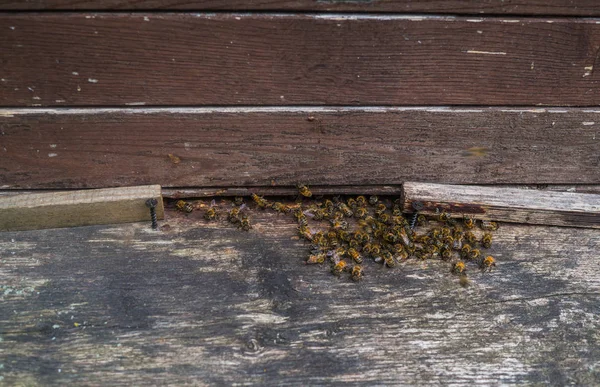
x=505 y=204
x=78 y=208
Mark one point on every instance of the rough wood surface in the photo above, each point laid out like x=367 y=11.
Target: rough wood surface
x=520 y=7
x=78 y=208
x=295 y=59
x=505 y=204
x=203 y=303
x=245 y=147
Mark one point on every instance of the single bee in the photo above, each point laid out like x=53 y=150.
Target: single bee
x=443 y=216
x=360 y=212
x=373 y=200
x=354 y=243
x=465 y=251
x=445 y=231
x=488 y=225
x=468 y=222
x=421 y=220
x=339 y=224
x=357 y=273
x=388 y=259
x=260 y=201
x=470 y=238
x=282 y=208
x=245 y=223
x=238 y=200
x=474 y=254
x=446 y=254
x=361 y=201
x=329 y=204
x=396 y=210
x=339 y=267
x=316 y=258
x=459 y=268
x=302 y=220
x=355 y=255
x=345 y=210
x=486 y=240
x=184 y=206
x=304 y=191
x=379 y=208
x=305 y=233
x=390 y=237
x=211 y=212
x=234 y=215
x=488 y=263
x=319 y=214
x=351 y=203
x=385 y=218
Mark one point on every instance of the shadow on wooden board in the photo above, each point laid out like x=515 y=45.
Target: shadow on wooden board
x=203 y=302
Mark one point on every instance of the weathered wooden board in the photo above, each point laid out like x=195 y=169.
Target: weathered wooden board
x=521 y=7
x=204 y=303
x=245 y=147
x=295 y=59
x=35 y=211
x=504 y=204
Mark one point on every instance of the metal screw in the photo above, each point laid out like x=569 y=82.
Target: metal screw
x=417 y=206
x=151 y=203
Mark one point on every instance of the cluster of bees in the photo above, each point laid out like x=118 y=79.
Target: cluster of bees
x=345 y=233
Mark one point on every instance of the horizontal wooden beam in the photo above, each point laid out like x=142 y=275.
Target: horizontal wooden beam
x=295 y=59
x=532 y=7
x=274 y=147
x=504 y=204
x=78 y=208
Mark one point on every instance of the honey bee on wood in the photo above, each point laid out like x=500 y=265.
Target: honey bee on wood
x=238 y=200
x=468 y=222
x=360 y=212
x=465 y=251
x=373 y=199
x=355 y=255
x=316 y=258
x=357 y=273
x=361 y=201
x=305 y=233
x=282 y=208
x=421 y=220
x=445 y=254
x=459 y=268
x=388 y=259
x=234 y=215
x=211 y=212
x=443 y=216
x=245 y=223
x=470 y=238
x=396 y=210
x=488 y=263
x=339 y=267
x=486 y=240
x=385 y=218
x=352 y=203
x=184 y=206
x=488 y=225
x=345 y=210
x=474 y=254
x=260 y=201
x=304 y=190
x=379 y=208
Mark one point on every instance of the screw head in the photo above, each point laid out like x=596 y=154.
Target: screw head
x=151 y=203
x=417 y=206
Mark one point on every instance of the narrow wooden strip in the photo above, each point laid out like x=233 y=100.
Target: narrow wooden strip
x=302 y=59
x=78 y=208
x=505 y=204
x=249 y=147
x=532 y=7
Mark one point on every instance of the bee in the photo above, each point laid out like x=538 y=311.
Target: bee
x=488 y=263
x=445 y=231
x=319 y=214
x=305 y=233
x=385 y=218
x=390 y=237
x=396 y=210
x=316 y=258
x=486 y=240
x=304 y=191
x=404 y=238
x=319 y=239
x=211 y=212
x=234 y=215
x=352 y=203
x=339 y=267
x=446 y=254
x=355 y=255
x=465 y=251
x=282 y=208
x=379 y=208
x=328 y=204
x=488 y=225
x=470 y=238
x=354 y=243
x=260 y=201
x=361 y=201
x=474 y=254
x=457 y=244
x=421 y=220
x=345 y=210
x=245 y=223
x=357 y=273
x=459 y=268
x=423 y=239
x=389 y=259
x=464 y=281
x=238 y=200
x=184 y=206
x=339 y=224
x=468 y=222
x=373 y=200
x=302 y=220
x=360 y=212
x=443 y=216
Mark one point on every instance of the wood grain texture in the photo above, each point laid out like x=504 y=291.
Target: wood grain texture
x=520 y=7
x=61 y=59
x=231 y=147
x=203 y=303
x=78 y=208
x=504 y=204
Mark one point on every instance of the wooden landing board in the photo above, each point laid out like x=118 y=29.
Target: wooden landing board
x=505 y=204
x=246 y=147
x=78 y=208
x=523 y=7
x=122 y=305
x=295 y=59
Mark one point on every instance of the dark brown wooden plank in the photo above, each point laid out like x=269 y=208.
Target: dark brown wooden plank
x=121 y=305
x=504 y=204
x=305 y=59
x=520 y=7
x=245 y=147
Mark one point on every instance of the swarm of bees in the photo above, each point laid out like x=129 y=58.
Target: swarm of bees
x=345 y=233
